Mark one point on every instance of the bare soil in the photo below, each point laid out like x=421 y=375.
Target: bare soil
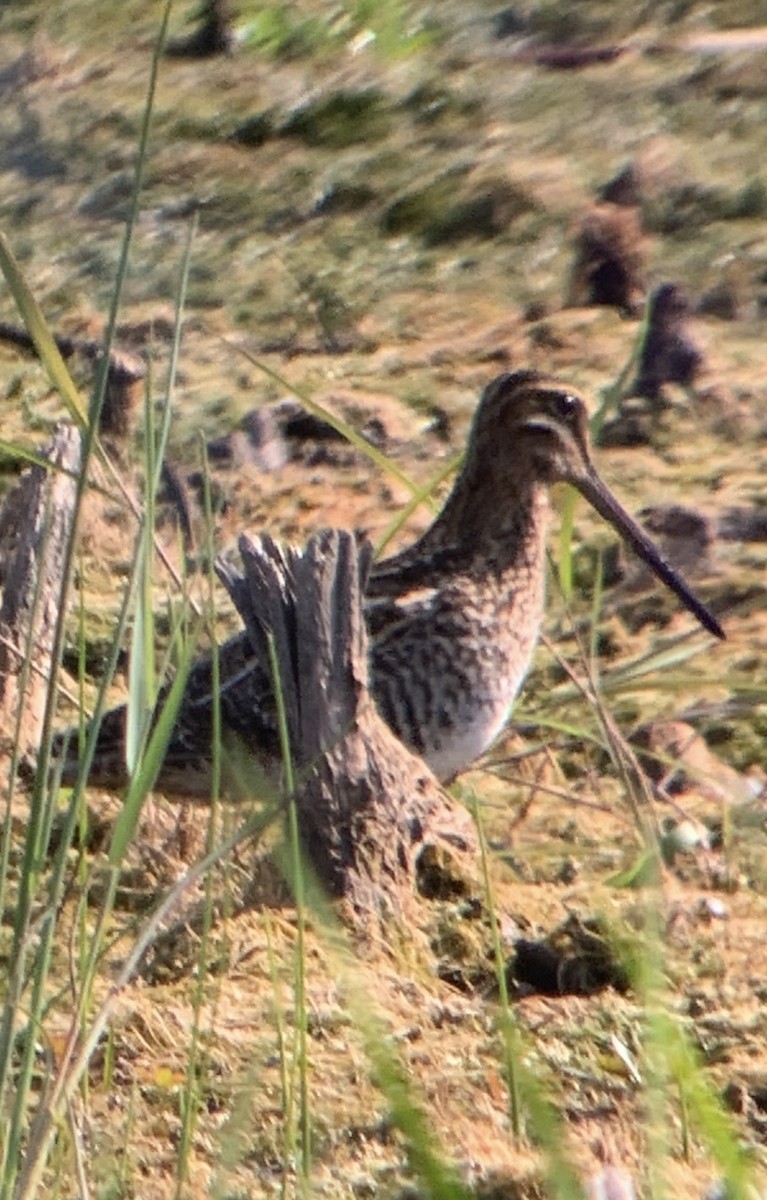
x=303 y=260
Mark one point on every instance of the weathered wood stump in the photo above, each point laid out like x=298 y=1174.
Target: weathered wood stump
x=125 y=377
x=372 y=816
x=122 y=398
x=35 y=525
x=610 y=260
x=670 y=353
x=213 y=35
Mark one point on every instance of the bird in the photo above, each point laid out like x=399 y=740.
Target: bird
x=452 y=620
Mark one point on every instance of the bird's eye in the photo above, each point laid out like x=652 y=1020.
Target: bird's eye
x=568 y=405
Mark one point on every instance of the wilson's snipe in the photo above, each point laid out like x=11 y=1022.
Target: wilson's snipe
x=453 y=620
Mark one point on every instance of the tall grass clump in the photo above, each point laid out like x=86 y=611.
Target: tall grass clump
x=70 y=952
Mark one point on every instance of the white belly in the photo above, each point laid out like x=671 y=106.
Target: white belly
x=458 y=748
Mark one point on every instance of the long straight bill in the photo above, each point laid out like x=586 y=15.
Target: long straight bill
x=608 y=507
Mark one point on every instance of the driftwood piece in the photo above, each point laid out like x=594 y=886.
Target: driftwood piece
x=372 y=816
x=35 y=524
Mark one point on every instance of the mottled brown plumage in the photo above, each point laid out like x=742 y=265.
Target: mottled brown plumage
x=453 y=619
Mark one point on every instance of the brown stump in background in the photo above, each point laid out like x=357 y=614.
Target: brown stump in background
x=372 y=816
x=669 y=353
x=35 y=526
x=177 y=494
x=125 y=376
x=213 y=36
x=125 y=383
x=610 y=254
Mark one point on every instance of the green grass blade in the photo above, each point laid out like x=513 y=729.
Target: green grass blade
x=142 y=689
x=99 y=391
x=46 y=347
x=32 y=457
x=566 y=543
x=151 y=762
x=525 y=1092
x=296 y=860
x=141 y=672
x=375 y=455
x=419 y=498
x=436 y=1175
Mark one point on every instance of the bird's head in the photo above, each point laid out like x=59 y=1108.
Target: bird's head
x=531 y=429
